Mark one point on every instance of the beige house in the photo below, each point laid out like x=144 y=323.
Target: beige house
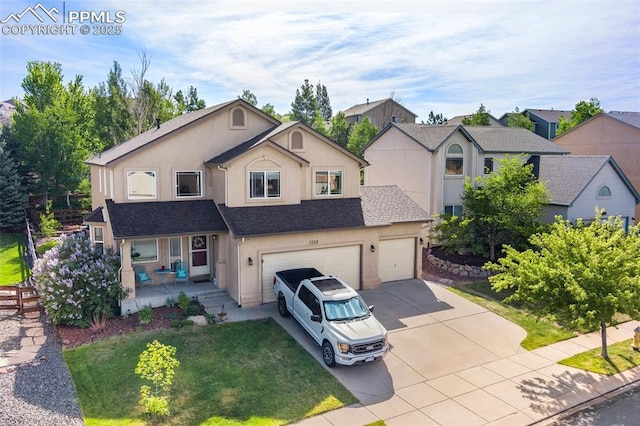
x=380 y=113
x=612 y=133
x=429 y=163
x=236 y=195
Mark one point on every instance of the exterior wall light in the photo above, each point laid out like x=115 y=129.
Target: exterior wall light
x=250 y=262
x=373 y=248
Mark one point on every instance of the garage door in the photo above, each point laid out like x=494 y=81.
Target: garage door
x=342 y=262
x=397 y=259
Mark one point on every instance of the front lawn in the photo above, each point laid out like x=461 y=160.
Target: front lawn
x=13 y=266
x=245 y=373
x=621 y=357
x=539 y=332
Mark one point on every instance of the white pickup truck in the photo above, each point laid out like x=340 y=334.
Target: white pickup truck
x=333 y=314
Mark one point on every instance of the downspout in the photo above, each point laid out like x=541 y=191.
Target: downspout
x=240 y=275
x=226 y=186
x=120 y=272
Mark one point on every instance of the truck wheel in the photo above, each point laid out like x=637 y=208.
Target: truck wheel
x=327 y=354
x=282 y=307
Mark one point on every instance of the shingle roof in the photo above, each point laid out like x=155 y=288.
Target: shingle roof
x=361 y=109
x=378 y=206
x=549 y=115
x=629 y=117
x=240 y=149
x=94 y=216
x=458 y=120
x=568 y=175
x=488 y=138
x=130 y=220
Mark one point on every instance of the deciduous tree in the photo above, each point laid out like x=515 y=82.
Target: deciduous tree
x=361 y=134
x=582 y=111
x=478 y=118
x=340 y=129
x=517 y=119
x=249 y=97
x=580 y=275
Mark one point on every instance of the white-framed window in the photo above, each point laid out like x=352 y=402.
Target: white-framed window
x=604 y=192
x=238 y=119
x=144 y=250
x=189 y=184
x=141 y=184
x=175 y=250
x=98 y=237
x=328 y=182
x=454 y=160
x=453 y=210
x=264 y=185
x=488 y=165
x=297 y=141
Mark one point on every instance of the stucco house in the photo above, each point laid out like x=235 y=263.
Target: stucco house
x=580 y=183
x=613 y=133
x=237 y=195
x=380 y=113
x=429 y=163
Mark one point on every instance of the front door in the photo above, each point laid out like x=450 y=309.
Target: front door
x=199 y=256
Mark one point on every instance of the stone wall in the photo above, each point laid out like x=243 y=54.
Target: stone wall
x=457 y=269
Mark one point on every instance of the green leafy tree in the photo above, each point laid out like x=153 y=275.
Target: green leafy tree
x=340 y=129
x=304 y=107
x=189 y=103
x=249 y=97
x=13 y=198
x=113 y=119
x=516 y=119
x=271 y=110
x=436 y=118
x=320 y=126
x=49 y=225
x=582 y=111
x=580 y=275
x=361 y=134
x=478 y=118
x=157 y=364
x=324 y=105
x=504 y=207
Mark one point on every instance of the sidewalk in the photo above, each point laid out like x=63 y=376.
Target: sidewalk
x=495 y=382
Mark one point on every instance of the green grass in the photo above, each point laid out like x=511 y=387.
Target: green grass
x=245 y=373
x=621 y=357
x=13 y=267
x=539 y=332
x=43 y=248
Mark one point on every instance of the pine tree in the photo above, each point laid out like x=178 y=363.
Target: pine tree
x=304 y=107
x=13 y=199
x=324 y=105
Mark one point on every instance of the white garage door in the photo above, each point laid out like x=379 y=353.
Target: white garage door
x=397 y=259
x=342 y=262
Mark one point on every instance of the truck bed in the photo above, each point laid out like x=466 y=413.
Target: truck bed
x=292 y=277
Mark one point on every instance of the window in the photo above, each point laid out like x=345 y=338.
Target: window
x=296 y=141
x=144 y=250
x=454 y=162
x=264 y=184
x=98 y=237
x=328 y=182
x=189 y=184
x=488 y=165
x=453 y=210
x=175 y=250
x=238 y=119
x=604 y=192
x=141 y=184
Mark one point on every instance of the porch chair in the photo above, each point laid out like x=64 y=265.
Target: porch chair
x=181 y=273
x=142 y=277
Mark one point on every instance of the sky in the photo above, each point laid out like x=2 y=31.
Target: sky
x=442 y=56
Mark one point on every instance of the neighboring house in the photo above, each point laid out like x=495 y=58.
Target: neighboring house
x=7 y=109
x=454 y=121
x=545 y=121
x=380 y=113
x=237 y=195
x=580 y=183
x=612 y=133
x=429 y=163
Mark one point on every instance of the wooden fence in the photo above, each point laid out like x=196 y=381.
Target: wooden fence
x=22 y=298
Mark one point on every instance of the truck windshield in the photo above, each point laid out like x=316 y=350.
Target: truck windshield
x=340 y=310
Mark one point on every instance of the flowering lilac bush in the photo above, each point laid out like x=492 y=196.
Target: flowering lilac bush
x=75 y=280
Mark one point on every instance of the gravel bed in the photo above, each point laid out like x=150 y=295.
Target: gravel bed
x=41 y=392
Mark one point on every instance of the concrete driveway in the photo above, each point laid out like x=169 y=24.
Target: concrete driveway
x=453 y=362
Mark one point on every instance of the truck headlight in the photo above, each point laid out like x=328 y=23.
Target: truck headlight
x=343 y=347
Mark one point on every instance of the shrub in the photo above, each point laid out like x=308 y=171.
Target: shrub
x=75 y=280
x=170 y=302
x=181 y=323
x=145 y=315
x=48 y=223
x=156 y=364
x=183 y=300
x=192 y=310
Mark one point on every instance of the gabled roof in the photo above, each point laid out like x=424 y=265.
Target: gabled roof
x=548 y=115
x=377 y=206
x=136 y=220
x=361 y=109
x=629 y=117
x=95 y=216
x=567 y=176
x=166 y=128
x=458 y=120
x=488 y=139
